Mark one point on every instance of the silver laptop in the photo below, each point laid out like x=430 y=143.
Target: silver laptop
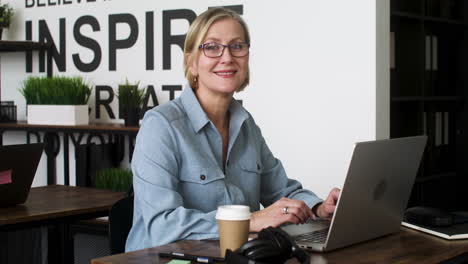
x=373 y=198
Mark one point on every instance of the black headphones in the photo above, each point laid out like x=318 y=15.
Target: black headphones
x=273 y=246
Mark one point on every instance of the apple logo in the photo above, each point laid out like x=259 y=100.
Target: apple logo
x=380 y=189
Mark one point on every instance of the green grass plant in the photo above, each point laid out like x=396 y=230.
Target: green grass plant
x=6 y=14
x=130 y=96
x=56 y=91
x=115 y=179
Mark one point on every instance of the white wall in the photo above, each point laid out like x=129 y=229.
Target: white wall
x=319 y=68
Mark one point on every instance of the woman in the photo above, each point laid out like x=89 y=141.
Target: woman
x=203 y=149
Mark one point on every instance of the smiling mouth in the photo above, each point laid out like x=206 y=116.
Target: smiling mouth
x=225 y=74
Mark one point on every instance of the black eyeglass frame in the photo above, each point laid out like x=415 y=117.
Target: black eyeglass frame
x=202 y=46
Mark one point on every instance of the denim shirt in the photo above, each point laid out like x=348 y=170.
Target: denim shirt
x=179 y=179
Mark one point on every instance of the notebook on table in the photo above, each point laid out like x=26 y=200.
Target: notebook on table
x=373 y=198
x=458 y=231
x=18 y=164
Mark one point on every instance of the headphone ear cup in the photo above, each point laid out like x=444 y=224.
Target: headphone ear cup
x=280 y=238
x=258 y=249
x=273 y=246
x=235 y=257
x=295 y=250
x=286 y=245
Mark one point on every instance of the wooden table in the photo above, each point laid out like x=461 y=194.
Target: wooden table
x=407 y=246
x=78 y=134
x=57 y=206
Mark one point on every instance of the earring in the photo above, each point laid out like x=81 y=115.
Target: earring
x=195 y=81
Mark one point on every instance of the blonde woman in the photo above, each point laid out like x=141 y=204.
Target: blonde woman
x=203 y=149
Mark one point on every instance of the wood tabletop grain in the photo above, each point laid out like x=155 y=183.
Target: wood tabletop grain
x=406 y=246
x=59 y=201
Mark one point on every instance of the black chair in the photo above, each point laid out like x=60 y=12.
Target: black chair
x=120 y=223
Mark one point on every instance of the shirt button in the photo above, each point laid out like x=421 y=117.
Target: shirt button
x=202 y=177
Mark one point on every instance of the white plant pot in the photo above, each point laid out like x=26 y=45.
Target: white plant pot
x=58 y=115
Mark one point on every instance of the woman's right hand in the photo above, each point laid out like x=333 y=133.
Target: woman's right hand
x=282 y=211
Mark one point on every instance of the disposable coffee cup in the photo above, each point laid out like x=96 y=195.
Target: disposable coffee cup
x=233 y=224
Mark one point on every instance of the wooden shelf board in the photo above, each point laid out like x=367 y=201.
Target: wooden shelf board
x=423 y=18
x=12 y=46
x=399 y=99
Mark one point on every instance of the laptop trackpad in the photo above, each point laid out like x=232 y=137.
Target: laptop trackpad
x=310 y=226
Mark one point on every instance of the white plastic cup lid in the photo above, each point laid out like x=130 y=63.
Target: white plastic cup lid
x=233 y=212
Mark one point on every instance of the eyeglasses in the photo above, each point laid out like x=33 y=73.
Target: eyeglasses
x=215 y=50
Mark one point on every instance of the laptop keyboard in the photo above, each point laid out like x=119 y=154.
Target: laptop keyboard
x=318 y=236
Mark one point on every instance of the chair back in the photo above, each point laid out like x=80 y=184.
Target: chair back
x=120 y=223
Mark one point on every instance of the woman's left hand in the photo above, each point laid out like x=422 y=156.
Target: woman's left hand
x=284 y=210
x=327 y=208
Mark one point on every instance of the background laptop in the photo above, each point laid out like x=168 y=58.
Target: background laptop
x=373 y=198
x=18 y=164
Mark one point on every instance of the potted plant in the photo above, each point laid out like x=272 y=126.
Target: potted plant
x=130 y=102
x=115 y=179
x=6 y=13
x=56 y=100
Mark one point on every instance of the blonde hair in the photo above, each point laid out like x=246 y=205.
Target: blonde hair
x=196 y=34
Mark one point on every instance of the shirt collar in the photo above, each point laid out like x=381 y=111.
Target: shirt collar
x=193 y=108
x=198 y=117
x=238 y=114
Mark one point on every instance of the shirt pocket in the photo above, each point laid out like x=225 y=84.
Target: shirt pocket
x=248 y=179
x=202 y=188
x=202 y=175
x=251 y=166
x=251 y=171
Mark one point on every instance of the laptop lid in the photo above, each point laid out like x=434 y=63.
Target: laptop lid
x=375 y=192
x=18 y=164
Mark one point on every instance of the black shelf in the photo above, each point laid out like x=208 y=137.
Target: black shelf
x=430 y=178
x=13 y=46
x=28 y=46
x=408 y=15
x=428 y=94
x=422 y=18
x=428 y=99
x=444 y=21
